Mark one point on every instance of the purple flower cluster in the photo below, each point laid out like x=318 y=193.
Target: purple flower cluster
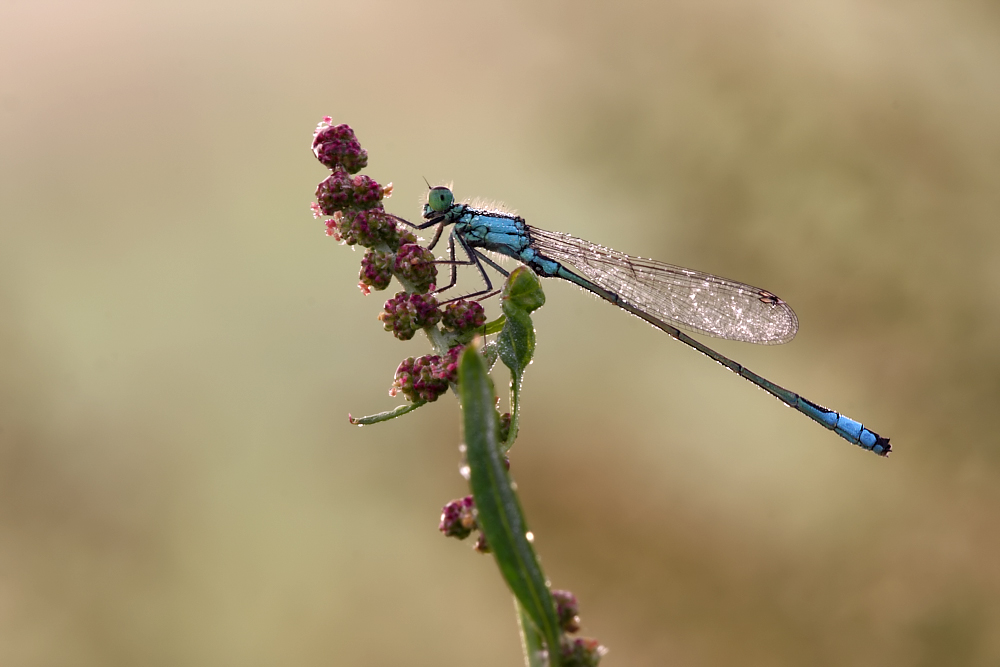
x=340 y=191
x=463 y=316
x=581 y=652
x=353 y=203
x=376 y=271
x=415 y=266
x=353 y=200
x=368 y=228
x=448 y=365
x=568 y=610
x=426 y=378
x=419 y=379
x=576 y=651
x=336 y=146
x=458 y=518
x=481 y=545
x=505 y=429
x=405 y=314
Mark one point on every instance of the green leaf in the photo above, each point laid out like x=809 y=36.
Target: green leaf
x=499 y=512
x=490 y=354
x=523 y=289
x=492 y=327
x=522 y=293
x=386 y=416
x=516 y=343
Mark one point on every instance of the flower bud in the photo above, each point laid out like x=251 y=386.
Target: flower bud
x=417 y=381
x=463 y=316
x=400 y=236
x=581 y=652
x=505 y=428
x=337 y=147
x=447 y=367
x=568 y=610
x=340 y=191
x=376 y=271
x=415 y=266
x=365 y=228
x=458 y=518
x=405 y=314
x=481 y=545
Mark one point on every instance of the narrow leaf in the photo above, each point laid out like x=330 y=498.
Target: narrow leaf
x=385 y=416
x=499 y=512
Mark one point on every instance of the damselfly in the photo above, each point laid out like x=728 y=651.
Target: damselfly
x=669 y=297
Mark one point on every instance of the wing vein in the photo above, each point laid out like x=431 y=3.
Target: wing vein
x=691 y=300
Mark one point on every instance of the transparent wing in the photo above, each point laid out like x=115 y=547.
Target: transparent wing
x=691 y=300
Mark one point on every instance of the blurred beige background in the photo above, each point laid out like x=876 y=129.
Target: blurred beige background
x=180 y=345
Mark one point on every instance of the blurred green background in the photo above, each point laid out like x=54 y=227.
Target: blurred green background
x=180 y=344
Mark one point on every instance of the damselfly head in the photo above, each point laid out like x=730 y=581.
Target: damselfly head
x=440 y=199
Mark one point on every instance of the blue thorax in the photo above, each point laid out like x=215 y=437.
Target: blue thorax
x=497 y=231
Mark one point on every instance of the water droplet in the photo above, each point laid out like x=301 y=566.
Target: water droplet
x=462 y=448
x=465 y=471
x=530 y=536
x=513 y=486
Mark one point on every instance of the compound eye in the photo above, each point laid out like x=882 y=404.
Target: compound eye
x=440 y=199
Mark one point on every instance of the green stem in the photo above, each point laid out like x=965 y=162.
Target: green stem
x=515 y=412
x=531 y=642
